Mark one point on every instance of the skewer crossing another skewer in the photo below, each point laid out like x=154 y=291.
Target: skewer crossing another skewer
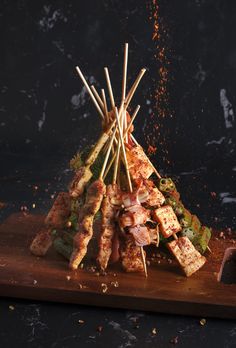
x=90 y=92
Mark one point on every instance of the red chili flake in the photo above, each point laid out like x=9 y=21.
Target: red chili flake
x=175 y=340
x=104 y=287
x=154 y=331
x=2 y=205
x=213 y=194
x=221 y=234
x=99 y=328
x=151 y=150
x=115 y=284
x=202 y=321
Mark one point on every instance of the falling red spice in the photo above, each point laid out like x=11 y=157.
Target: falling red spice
x=151 y=150
x=155 y=132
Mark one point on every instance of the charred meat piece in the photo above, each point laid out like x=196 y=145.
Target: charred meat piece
x=187 y=256
x=138 y=162
x=130 y=199
x=81 y=178
x=60 y=211
x=141 y=235
x=149 y=194
x=167 y=219
x=109 y=211
x=92 y=204
x=131 y=255
x=134 y=215
x=56 y=219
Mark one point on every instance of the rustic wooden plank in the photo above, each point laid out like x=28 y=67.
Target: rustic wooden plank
x=165 y=290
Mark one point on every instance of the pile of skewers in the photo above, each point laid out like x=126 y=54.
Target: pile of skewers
x=118 y=194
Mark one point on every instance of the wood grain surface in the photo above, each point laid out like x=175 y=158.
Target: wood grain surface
x=165 y=290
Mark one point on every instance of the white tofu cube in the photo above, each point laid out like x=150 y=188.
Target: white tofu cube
x=138 y=163
x=187 y=256
x=167 y=219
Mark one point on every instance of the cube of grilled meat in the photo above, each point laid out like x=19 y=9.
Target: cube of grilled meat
x=138 y=163
x=130 y=199
x=131 y=257
x=187 y=256
x=149 y=194
x=134 y=215
x=141 y=235
x=92 y=205
x=56 y=219
x=167 y=219
x=81 y=178
x=109 y=211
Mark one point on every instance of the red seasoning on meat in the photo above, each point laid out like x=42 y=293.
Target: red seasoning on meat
x=92 y=205
x=108 y=241
x=56 y=219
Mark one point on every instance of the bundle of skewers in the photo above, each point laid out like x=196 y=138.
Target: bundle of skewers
x=118 y=195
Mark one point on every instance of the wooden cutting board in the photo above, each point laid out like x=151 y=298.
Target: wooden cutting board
x=165 y=290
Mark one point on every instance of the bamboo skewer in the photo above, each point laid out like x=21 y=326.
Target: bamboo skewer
x=208 y=248
x=105 y=106
x=97 y=96
x=109 y=87
x=123 y=150
x=107 y=154
x=134 y=87
x=131 y=121
x=143 y=261
x=125 y=133
x=125 y=71
x=116 y=156
x=90 y=92
x=124 y=123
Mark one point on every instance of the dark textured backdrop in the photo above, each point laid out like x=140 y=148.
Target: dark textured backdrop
x=45 y=117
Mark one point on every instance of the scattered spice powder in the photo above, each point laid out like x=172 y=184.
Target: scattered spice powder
x=175 y=340
x=202 y=321
x=160 y=37
x=115 y=284
x=151 y=150
x=104 y=287
x=2 y=205
x=154 y=331
x=99 y=328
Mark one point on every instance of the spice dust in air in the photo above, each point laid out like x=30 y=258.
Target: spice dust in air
x=156 y=132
